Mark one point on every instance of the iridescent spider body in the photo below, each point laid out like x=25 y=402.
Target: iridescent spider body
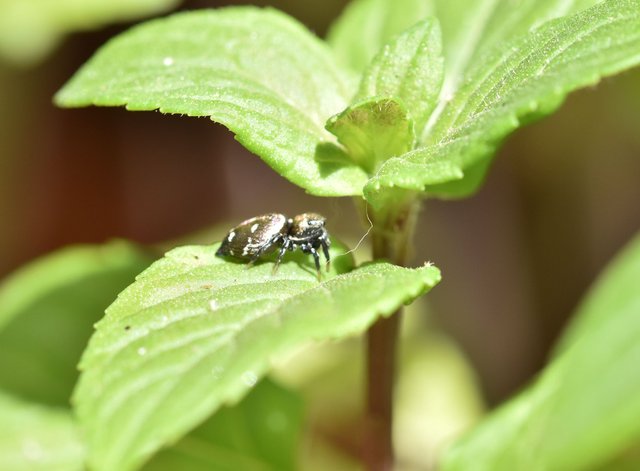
x=262 y=234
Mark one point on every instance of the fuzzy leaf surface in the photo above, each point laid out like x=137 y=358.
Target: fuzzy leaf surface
x=584 y=410
x=373 y=130
x=64 y=293
x=261 y=432
x=409 y=69
x=470 y=28
x=29 y=29
x=34 y=437
x=365 y=26
x=514 y=83
x=195 y=332
x=256 y=71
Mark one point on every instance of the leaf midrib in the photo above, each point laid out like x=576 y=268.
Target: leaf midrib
x=462 y=113
x=453 y=75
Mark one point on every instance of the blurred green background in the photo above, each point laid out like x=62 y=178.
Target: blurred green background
x=561 y=199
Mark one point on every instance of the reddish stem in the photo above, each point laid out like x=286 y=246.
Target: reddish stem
x=391 y=240
x=381 y=359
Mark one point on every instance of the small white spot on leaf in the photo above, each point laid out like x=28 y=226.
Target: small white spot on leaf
x=32 y=450
x=216 y=371
x=249 y=378
x=167 y=61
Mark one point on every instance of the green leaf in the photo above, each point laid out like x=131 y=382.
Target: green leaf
x=616 y=290
x=373 y=130
x=469 y=28
x=410 y=69
x=196 y=332
x=514 y=83
x=29 y=29
x=261 y=432
x=34 y=437
x=472 y=27
x=367 y=25
x=257 y=71
x=65 y=292
x=584 y=410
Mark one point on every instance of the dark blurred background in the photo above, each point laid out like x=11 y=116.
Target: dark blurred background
x=561 y=199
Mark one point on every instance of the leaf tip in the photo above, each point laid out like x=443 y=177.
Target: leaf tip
x=434 y=275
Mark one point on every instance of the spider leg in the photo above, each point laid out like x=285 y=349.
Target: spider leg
x=283 y=249
x=325 y=249
x=316 y=258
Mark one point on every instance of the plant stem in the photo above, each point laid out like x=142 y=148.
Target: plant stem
x=392 y=234
x=381 y=355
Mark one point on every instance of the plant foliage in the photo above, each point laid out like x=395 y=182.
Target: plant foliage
x=494 y=69
x=196 y=332
x=35 y=437
x=583 y=410
x=65 y=292
x=407 y=98
x=261 y=432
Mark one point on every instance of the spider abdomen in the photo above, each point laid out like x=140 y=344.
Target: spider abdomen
x=255 y=237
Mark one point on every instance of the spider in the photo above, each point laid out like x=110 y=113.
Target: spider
x=262 y=234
